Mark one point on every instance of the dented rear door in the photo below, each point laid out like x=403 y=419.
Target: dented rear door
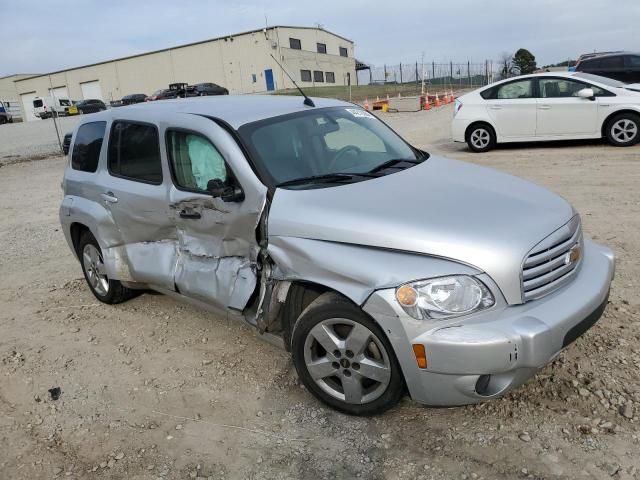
x=217 y=248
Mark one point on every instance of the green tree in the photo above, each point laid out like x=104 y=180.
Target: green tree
x=524 y=61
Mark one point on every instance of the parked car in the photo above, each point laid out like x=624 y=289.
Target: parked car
x=47 y=107
x=162 y=94
x=5 y=115
x=91 y=105
x=204 y=89
x=377 y=265
x=622 y=66
x=547 y=106
x=133 y=98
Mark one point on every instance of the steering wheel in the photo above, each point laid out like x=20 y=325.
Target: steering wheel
x=338 y=156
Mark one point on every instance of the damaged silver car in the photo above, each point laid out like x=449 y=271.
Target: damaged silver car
x=382 y=269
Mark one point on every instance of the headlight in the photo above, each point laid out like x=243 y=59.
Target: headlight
x=444 y=297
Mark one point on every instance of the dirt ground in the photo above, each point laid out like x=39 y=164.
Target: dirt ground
x=157 y=389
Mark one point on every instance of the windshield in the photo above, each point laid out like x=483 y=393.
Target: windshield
x=322 y=142
x=610 y=82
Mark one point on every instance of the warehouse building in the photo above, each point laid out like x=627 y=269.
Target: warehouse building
x=242 y=63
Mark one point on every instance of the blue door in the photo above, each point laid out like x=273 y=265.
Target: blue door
x=268 y=76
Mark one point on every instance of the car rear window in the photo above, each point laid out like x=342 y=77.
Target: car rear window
x=134 y=152
x=86 y=149
x=37 y=103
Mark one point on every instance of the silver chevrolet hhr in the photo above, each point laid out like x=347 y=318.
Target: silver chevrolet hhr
x=378 y=266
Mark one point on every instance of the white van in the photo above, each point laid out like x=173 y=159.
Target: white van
x=46 y=107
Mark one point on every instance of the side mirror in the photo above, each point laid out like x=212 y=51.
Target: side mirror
x=227 y=193
x=587 y=93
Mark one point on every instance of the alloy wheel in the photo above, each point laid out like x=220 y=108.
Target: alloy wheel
x=347 y=360
x=624 y=130
x=480 y=138
x=94 y=266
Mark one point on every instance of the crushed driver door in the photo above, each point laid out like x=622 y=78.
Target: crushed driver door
x=217 y=248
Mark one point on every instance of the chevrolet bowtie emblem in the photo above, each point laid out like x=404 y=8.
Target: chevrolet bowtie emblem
x=573 y=255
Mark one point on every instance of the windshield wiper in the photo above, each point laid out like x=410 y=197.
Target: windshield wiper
x=328 y=177
x=393 y=164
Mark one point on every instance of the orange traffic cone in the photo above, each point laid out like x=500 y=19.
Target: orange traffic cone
x=445 y=97
x=366 y=104
x=427 y=103
x=451 y=97
x=436 y=103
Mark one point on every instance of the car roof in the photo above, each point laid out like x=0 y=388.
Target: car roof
x=236 y=110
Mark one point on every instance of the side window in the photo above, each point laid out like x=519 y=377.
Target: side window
x=520 y=89
x=86 y=148
x=134 y=152
x=353 y=134
x=633 y=61
x=611 y=62
x=559 y=88
x=194 y=160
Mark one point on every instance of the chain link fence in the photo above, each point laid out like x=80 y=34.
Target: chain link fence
x=407 y=78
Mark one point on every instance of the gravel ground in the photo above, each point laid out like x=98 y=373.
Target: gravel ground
x=157 y=389
x=32 y=140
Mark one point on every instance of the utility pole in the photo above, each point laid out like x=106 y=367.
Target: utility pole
x=54 y=115
x=422 y=89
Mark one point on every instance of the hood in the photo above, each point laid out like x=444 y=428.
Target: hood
x=445 y=208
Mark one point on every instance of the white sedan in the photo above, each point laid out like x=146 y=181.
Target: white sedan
x=548 y=106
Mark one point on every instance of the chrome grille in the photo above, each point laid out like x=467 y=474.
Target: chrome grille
x=548 y=267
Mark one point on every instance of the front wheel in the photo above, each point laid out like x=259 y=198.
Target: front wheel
x=481 y=138
x=344 y=359
x=623 y=130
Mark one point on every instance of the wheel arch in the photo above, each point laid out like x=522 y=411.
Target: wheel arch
x=476 y=123
x=605 y=123
x=76 y=229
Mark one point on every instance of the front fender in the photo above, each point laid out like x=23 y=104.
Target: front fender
x=355 y=271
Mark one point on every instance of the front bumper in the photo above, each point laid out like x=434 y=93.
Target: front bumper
x=484 y=355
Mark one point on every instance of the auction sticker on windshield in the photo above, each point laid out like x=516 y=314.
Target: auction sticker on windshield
x=356 y=112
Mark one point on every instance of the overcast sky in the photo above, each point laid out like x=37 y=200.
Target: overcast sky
x=41 y=36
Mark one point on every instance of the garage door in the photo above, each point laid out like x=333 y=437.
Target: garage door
x=91 y=90
x=59 y=92
x=27 y=105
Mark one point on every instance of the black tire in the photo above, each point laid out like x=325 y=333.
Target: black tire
x=334 y=307
x=3 y=120
x=480 y=137
x=623 y=129
x=116 y=292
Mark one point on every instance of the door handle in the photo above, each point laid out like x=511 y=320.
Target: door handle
x=544 y=107
x=190 y=215
x=496 y=107
x=109 y=197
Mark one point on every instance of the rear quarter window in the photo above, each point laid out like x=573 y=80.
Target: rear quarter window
x=86 y=148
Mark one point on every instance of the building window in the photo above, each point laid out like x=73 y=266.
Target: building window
x=295 y=43
x=330 y=77
x=344 y=52
x=305 y=75
x=318 y=76
x=254 y=78
x=322 y=47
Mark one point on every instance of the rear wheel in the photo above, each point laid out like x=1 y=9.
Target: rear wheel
x=3 y=120
x=623 y=130
x=104 y=289
x=343 y=357
x=481 y=138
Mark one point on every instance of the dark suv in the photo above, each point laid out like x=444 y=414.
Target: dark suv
x=204 y=89
x=624 y=66
x=91 y=105
x=133 y=98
